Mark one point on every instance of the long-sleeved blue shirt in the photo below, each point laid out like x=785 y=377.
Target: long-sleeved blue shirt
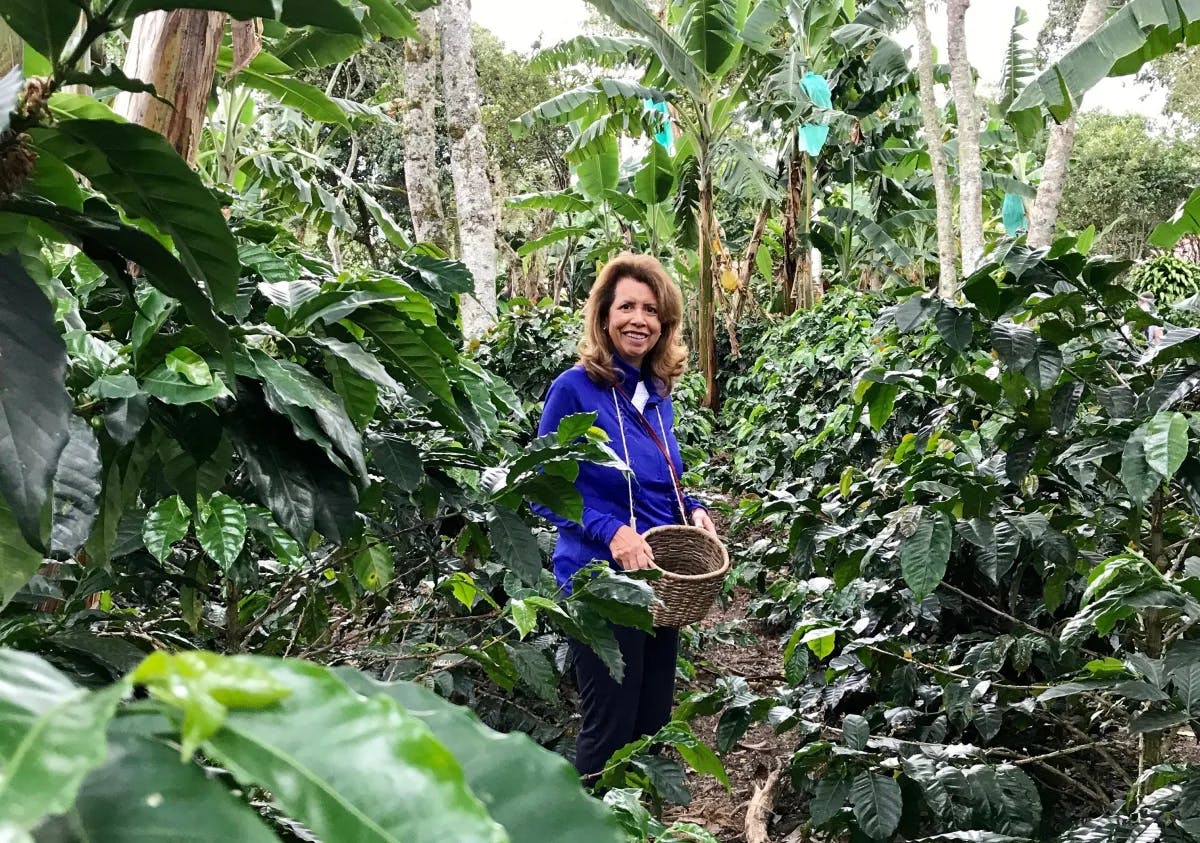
x=604 y=490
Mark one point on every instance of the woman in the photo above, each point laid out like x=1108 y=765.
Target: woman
x=630 y=358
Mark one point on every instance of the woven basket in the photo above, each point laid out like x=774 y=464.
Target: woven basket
x=694 y=564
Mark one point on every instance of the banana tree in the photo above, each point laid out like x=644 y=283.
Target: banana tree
x=693 y=64
x=801 y=49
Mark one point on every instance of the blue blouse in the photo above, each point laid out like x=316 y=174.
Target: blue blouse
x=604 y=490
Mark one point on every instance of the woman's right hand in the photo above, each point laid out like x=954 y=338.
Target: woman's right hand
x=630 y=550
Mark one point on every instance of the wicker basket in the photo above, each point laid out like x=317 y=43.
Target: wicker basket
x=694 y=564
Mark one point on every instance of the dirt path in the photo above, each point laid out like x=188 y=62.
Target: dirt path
x=733 y=645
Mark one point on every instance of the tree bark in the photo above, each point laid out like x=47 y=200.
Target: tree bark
x=11 y=48
x=970 y=180
x=943 y=193
x=420 y=137
x=468 y=165
x=791 y=246
x=176 y=52
x=706 y=323
x=1058 y=148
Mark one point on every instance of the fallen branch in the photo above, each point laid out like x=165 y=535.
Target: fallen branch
x=758 y=812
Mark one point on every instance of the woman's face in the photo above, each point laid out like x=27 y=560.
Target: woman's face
x=633 y=325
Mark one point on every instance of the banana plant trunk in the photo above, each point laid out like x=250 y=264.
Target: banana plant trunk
x=705 y=317
x=791 y=245
x=176 y=52
x=11 y=48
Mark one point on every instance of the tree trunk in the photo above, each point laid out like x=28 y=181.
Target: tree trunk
x=1058 y=148
x=420 y=137
x=944 y=195
x=791 y=245
x=468 y=165
x=970 y=180
x=176 y=52
x=12 y=48
x=706 y=323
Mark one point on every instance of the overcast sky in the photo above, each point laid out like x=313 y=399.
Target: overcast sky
x=520 y=23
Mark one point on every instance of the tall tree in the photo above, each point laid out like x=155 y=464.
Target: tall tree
x=943 y=194
x=468 y=165
x=1058 y=148
x=176 y=52
x=420 y=138
x=970 y=179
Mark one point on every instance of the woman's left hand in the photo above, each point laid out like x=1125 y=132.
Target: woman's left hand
x=701 y=519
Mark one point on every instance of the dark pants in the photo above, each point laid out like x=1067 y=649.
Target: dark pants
x=616 y=713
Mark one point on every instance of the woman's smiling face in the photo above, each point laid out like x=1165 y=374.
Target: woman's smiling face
x=633 y=325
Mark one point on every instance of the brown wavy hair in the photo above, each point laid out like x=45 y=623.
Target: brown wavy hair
x=665 y=362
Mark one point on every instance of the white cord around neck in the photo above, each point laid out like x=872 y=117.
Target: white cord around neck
x=628 y=465
x=629 y=476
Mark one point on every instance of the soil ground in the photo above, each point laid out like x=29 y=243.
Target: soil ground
x=735 y=646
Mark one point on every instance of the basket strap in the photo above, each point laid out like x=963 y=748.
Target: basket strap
x=662 y=449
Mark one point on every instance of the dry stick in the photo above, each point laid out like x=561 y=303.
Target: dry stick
x=1095 y=795
x=759 y=809
x=983 y=604
x=1038 y=759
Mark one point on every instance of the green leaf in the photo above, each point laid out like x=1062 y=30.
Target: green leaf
x=76 y=488
x=1137 y=33
x=515 y=545
x=288 y=385
x=138 y=169
x=18 y=561
x=534 y=670
x=327 y=14
x=204 y=687
x=173 y=388
x=45 y=24
x=924 y=554
x=359 y=395
x=1157 y=721
x=373 y=566
x=291 y=92
x=877 y=803
x=166 y=523
x=634 y=15
x=555 y=200
x=600 y=171
x=53 y=180
x=142 y=792
x=35 y=409
x=110 y=244
x=655 y=181
x=1015 y=344
x=955 y=326
x=348 y=767
x=1185 y=221
x=1045 y=365
x=51 y=734
x=830 y=798
x=399 y=461
x=285 y=548
x=712 y=34
x=1139 y=478
x=1166 y=445
x=498 y=768
x=408 y=355
x=183 y=361
x=361 y=361
x=574 y=426
x=221 y=529
x=881 y=399
x=856 y=730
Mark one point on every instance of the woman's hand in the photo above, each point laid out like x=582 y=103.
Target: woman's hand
x=701 y=519
x=630 y=550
